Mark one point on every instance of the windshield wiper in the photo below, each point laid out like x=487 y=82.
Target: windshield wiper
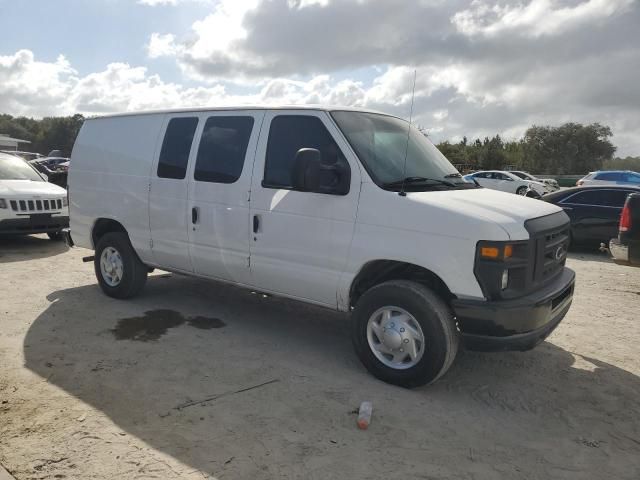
x=414 y=180
x=453 y=175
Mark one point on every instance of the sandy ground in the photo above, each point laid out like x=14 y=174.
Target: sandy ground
x=91 y=387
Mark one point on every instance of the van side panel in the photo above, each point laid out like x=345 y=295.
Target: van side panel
x=109 y=177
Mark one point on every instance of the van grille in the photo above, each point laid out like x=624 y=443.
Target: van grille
x=549 y=242
x=29 y=206
x=551 y=254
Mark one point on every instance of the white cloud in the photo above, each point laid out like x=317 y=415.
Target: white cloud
x=161 y=45
x=154 y=3
x=538 y=17
x=173 y=3
x=482 y=67
x=33 y=87
x=30 y=87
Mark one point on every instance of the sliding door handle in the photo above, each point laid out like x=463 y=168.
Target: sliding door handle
x=256 y=223
x=195 y=213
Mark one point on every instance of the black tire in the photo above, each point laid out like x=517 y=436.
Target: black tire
x=134 y=272
x=55 y=236
x=429 y=310
x=521 y=190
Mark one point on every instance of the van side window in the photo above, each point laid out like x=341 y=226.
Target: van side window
x=290 y=133
x=176 y=147
x=222 y=149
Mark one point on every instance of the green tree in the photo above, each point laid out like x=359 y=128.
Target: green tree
x=571 y=148
x=49 y=133
x=627 y=163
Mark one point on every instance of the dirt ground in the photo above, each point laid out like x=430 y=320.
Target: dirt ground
x=95 y=388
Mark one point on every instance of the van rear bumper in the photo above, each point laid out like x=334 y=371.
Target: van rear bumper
x=39 y=223
x=518 y=324
x=625 y=253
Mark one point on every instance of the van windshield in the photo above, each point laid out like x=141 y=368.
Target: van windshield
x=14 y=168
x=380 y=141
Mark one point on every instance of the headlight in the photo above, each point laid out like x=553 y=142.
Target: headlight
x=3 y=203
x=65 y=202
x=505 y=279
x=501 y=268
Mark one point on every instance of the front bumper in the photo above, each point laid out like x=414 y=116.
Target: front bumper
x=518 y=324
x=37 y=223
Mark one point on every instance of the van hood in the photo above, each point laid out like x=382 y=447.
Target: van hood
x=507 y=210
x=9 y=188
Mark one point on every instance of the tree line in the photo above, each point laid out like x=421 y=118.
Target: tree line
x=46 y=134
x=571 y=148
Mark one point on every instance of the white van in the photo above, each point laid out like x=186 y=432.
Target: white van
x=309 y=203
x=28 y=203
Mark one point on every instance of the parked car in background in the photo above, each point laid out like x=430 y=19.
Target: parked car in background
x=29 y=204
x=332 y=207
x=552 y=184
x=594 y=211
x=54 y=169
x=52 y=163
x=26 y=155
x=625 y=248
x=610 y=177
x=507 y=182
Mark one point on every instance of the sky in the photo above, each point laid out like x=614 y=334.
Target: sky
x=482 y=66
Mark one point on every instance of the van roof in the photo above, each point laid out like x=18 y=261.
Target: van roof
x=326 y=108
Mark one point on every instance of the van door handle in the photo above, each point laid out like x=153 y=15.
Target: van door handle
x=256 y=223
x=194 y=215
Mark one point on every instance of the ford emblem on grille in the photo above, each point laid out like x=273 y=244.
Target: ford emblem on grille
x=560 y=252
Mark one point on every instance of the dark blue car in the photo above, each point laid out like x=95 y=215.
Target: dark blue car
x=594 y=211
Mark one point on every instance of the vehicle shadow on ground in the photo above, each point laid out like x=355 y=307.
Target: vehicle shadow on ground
x=589 y=253
x=200 y=339
x=29 y=247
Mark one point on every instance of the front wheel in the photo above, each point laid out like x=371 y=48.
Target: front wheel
x=404 y=333
x=119 y=271
x=55 y=236
x=521 y=190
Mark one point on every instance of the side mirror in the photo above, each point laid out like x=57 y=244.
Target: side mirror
x=306 y=170
x=310 y=174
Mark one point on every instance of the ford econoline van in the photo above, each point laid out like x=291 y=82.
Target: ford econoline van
x=348 y=209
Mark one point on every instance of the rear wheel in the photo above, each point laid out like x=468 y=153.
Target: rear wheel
x=119 y=271
x=404 y=333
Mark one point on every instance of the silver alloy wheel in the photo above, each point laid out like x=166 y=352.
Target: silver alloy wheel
x=111 y=266
x=395 y=337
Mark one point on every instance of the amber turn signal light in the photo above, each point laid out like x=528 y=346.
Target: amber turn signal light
x=490 y=252
x=497 y=252
x=508 y=251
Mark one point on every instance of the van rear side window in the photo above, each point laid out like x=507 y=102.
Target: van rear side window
x=222 y=149
x=176 y=147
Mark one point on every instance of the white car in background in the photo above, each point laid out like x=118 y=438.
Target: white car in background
x=506 y=182
x=552 y=184
x=610 y=177
x=28 y=203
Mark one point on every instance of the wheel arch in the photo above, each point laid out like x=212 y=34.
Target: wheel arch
x=103 y=226
x=379 y=271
